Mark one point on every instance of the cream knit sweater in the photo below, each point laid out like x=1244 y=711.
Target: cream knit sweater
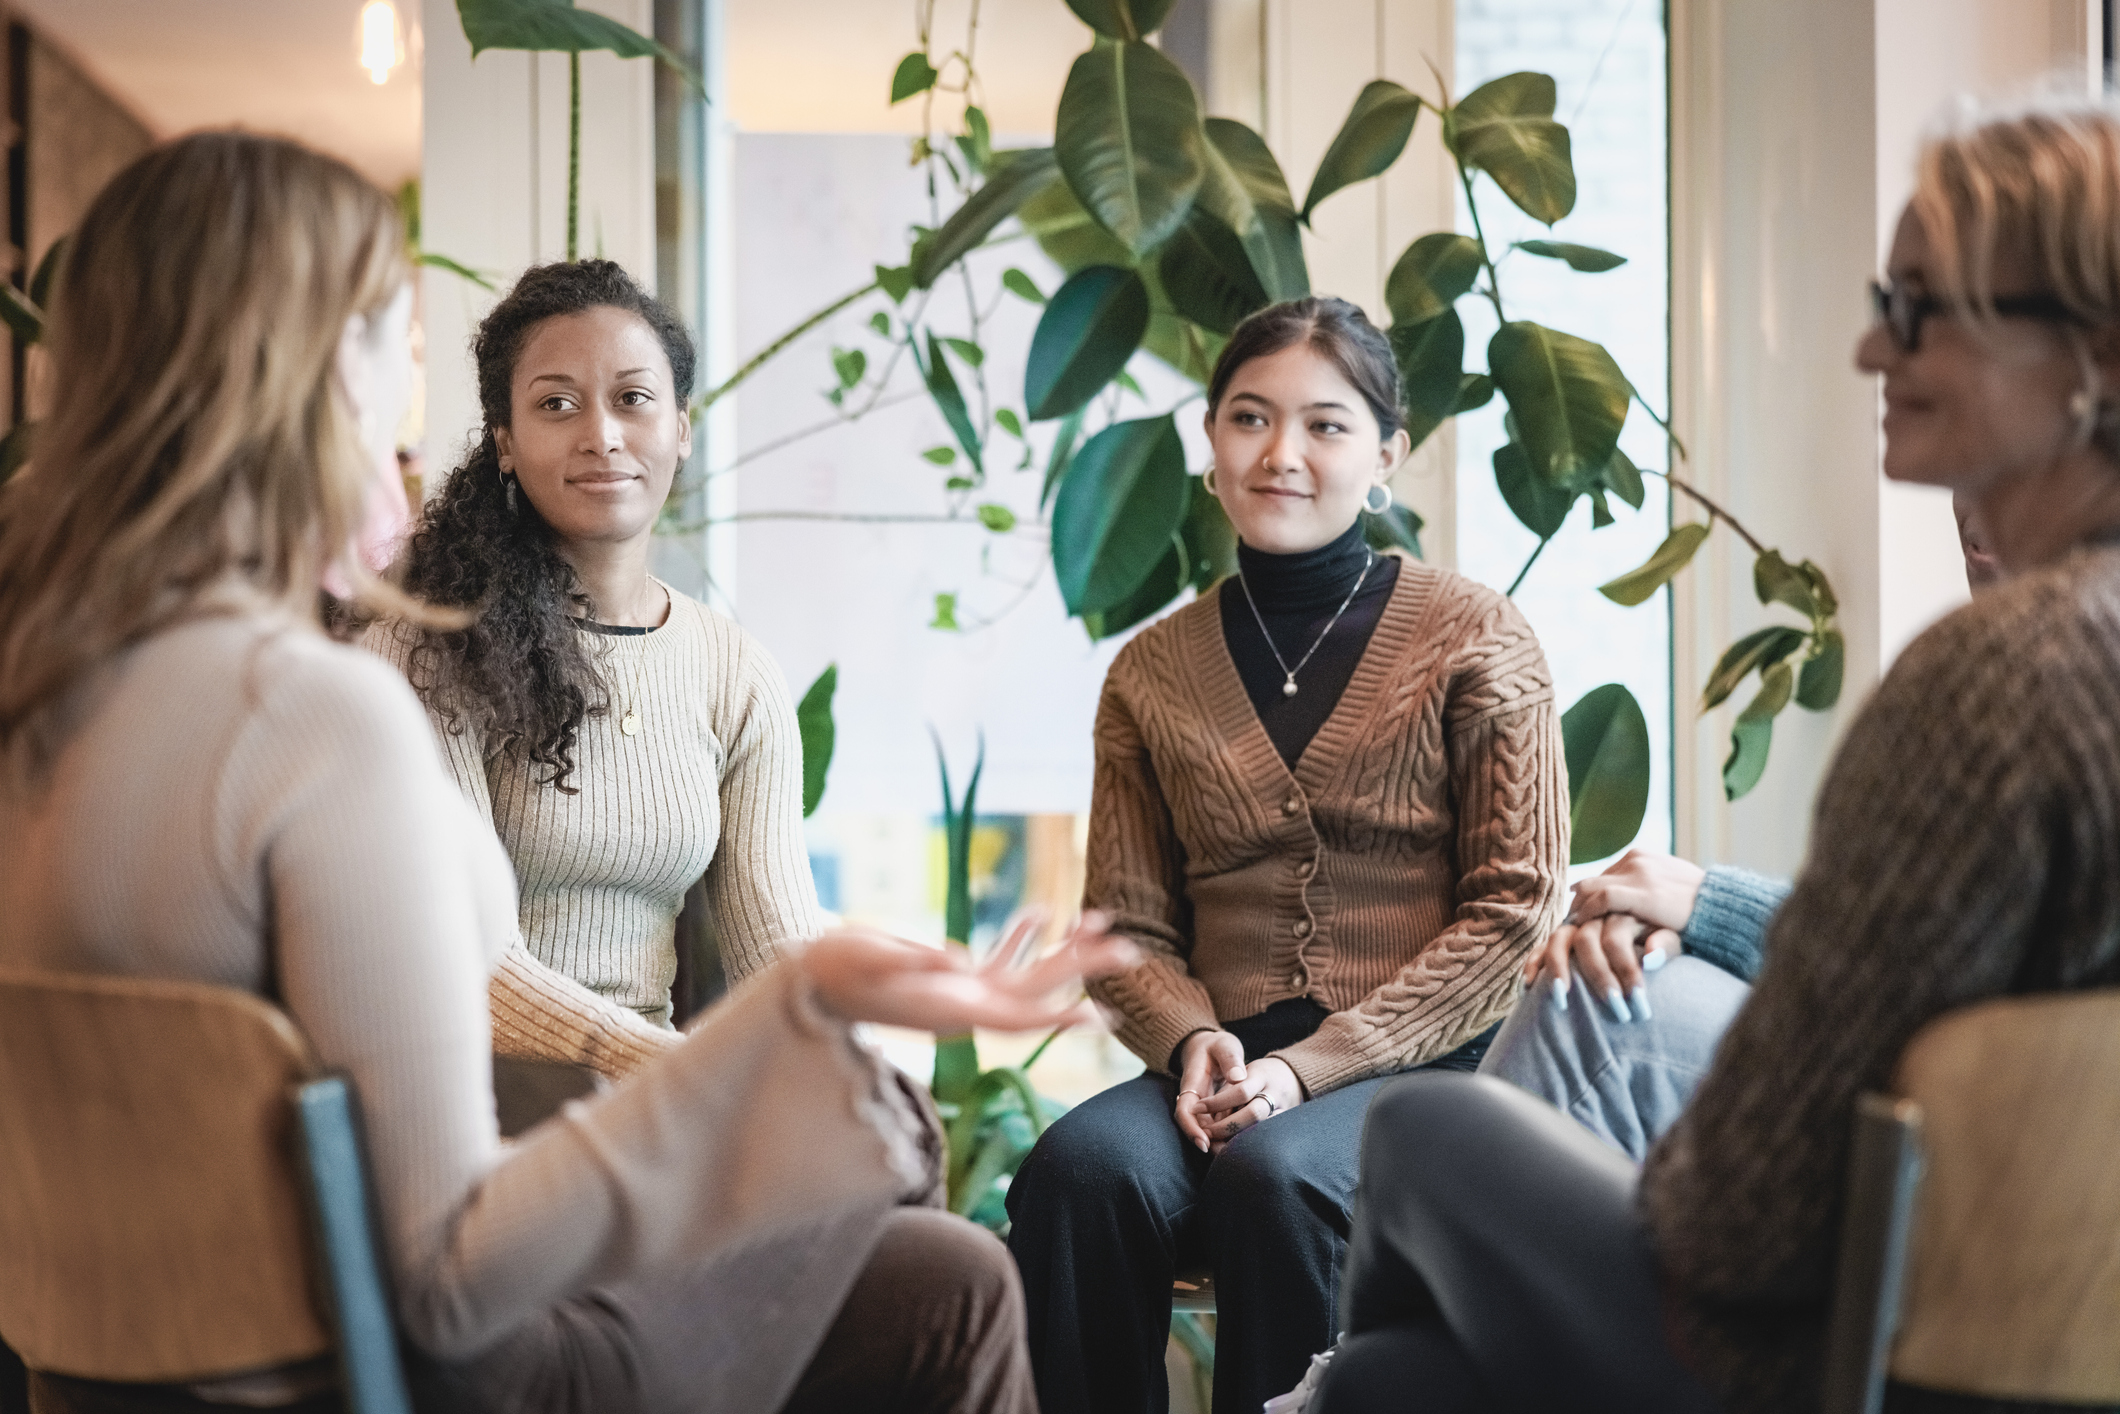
x=711 y=785
x=240 y=802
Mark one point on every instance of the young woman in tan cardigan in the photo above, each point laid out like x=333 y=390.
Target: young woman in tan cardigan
x=1331 y=806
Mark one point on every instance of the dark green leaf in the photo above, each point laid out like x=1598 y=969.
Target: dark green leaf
x=1014 y=182
x=1624 y=479
x=1396 y=527
x=1505 y=128
x=956 y=1067
x=977 y=143
x=40 y=284
x=1087 y=333
x=1600 y=509
x=1117 y=508
x=945 y=613
x=965 y=349
x=813 y=719
x=914 y=75
x=1753 y=731
x=1210 y=540
x=1431 y=358
x=1821 y=590
x=895 y=281
x=1637 y=585
x=1587 y=258
x=15 y=449
x=997 y=518
x=1371 y=139
x=1430 y=276
x=557 y=27
x=1122 y=19
x=1568 y=396
x=1475 y=390
x=1542 y=506
x=1068 y=234
x=462 y=272
x=1156 y=592
x=1063 y=453
x=949 y=399
x=1776 y=581
x=1128 y=134
x=1761 y=649
x=1009 y=422
x=1818 y=687
x=1208 y=275
x=1243 y=188
x=24 y=318
x=849 y=365
x=1606 y=740
x=1021 y=285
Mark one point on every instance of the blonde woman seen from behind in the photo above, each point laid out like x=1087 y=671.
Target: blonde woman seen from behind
x=199 y=785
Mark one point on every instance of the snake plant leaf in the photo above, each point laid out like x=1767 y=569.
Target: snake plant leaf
x=558 y=27
x=1431 y=276
x=1760 y=649
x=22 y=318
x=813 y=720
x=1605 y=738
x=40 y=284
x=1208 y=275
x=1016 y=180
x=1637 y=585
x=1568 y=396
x=1753 y=732
x=1542 y=506
x=1505 y=128
x=1244 y=189
x=1369 y=141
x=1776 y=581
x=1431 y=358
x=1129 y=139
x=1122 y=499
x=1818 y=685
x=1089 y=330
x=1122 y=19
x=949 y=400
x=1586 y=258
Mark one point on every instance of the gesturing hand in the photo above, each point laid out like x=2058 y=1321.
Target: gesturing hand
x=863 y=974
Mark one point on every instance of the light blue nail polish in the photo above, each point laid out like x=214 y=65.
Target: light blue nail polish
x=1560 y=995
x=1639 y=1000
x=1617 y=1005
x=1654 y=958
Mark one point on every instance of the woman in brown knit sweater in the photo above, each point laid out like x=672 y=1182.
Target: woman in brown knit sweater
x=1331 y=807
x=1962 y=850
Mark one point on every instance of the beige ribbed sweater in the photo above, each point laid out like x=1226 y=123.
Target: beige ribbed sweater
x=1398 y=875
x=712 y=785
x=243 y=803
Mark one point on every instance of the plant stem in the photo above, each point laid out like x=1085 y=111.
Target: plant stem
x=765 y=355
x=803 y=434
x=1514 y=583
x=1714 y=511
x=1479 y=233
x=1050 y=1037
x=862 y=518
x=574 y=151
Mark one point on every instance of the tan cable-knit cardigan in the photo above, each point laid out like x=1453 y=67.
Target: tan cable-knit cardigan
x=1398 y=876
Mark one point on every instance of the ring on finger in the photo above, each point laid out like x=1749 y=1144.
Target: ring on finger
x=1272 y=1109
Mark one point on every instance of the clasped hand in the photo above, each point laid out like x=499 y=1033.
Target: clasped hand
x=1219 y=1096
x=863 y=974
x=1621 y=925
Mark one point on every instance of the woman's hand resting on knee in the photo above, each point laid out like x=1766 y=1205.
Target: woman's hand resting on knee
x=1219 y=1097
x=862 y=974
x=1623 y=924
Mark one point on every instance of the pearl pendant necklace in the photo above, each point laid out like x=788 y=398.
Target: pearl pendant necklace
x=1288 y=688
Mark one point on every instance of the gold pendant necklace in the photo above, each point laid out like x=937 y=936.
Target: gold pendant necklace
x=630 y=722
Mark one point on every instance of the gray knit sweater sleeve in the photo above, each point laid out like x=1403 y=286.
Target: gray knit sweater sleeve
x=1730 y=918
x=1961 y=851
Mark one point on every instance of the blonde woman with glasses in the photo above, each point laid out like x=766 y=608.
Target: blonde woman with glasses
x=196 y=783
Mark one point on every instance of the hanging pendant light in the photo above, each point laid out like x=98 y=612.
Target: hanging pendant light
x=382 y=40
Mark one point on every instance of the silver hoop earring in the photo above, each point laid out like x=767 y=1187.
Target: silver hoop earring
x=1208 y=478
x=1368 y=501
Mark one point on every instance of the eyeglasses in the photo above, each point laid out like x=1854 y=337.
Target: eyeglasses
x=1903 y=312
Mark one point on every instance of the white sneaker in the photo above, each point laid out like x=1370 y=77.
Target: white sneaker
x=1298 y=1399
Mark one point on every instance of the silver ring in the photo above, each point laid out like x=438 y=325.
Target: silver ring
x=1272 y=1109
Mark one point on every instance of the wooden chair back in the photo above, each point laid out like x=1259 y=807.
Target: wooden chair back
x=2013 y=1277
x=153 y=1220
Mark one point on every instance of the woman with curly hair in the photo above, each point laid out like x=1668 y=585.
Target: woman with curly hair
x=623 y=739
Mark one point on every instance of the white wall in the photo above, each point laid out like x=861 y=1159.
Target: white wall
x=494 y=186
x=1792 y=128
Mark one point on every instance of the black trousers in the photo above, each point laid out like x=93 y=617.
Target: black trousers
x=1113 y=1203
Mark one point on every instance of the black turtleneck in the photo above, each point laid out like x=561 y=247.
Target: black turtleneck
x=1297 y=595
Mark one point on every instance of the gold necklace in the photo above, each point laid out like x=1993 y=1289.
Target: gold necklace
x=630 y=722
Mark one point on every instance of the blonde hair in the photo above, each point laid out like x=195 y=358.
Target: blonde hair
x=2040 y=182
x=197 y=440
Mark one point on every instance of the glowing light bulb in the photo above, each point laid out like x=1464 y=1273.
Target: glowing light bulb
x=382 y=47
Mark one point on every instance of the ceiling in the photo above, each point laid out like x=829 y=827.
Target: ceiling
x=279 y=66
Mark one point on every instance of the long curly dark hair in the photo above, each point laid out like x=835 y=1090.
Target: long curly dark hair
x=521 y=674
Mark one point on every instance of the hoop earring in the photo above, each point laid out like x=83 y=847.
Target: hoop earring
x=1208 y=478
x=1376 y=510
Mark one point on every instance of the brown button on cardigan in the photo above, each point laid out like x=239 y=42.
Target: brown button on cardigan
x=1398 y=875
